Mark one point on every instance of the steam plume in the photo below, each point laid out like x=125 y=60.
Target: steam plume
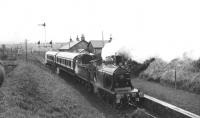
x=140 y=51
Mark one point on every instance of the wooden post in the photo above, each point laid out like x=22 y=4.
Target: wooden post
x=4 y=50
x=26 y=48
x=175 y=77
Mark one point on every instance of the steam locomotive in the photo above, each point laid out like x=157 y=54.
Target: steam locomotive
x=111 y=82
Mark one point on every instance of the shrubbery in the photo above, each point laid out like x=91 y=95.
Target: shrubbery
x=187 y=73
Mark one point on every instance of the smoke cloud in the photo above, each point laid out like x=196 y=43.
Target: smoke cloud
x=140 y=51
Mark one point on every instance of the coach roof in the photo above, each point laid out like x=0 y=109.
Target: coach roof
x=51 y=53
x=69 y=55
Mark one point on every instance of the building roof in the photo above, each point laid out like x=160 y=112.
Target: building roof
x=70 y=44
x=98 y=43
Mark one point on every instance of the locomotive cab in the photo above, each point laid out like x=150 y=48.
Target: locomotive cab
x=122 y=81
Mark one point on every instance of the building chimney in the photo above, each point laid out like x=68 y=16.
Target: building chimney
x=77 y=39
x=110 y=38
x=82 y=37
x=70 y=39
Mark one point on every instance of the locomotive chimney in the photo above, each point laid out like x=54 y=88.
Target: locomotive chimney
x=118 y=60
x=110 y=40
x=70 y=39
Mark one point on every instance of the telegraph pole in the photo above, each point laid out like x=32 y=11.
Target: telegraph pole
x=45 y=34
x=175 y=76
x=102 y=37
x=26 y=48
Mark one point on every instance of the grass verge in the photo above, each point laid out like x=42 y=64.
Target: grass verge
x=30 y=91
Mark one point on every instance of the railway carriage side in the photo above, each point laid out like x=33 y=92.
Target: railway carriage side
x=66 y=61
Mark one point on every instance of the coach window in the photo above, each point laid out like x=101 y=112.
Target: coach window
x=64 y=61
x=69 y=63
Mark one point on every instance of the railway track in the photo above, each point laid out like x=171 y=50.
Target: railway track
x=155 y=108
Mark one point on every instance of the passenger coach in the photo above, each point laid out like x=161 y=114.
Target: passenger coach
x=50 y=58
x=66 y=61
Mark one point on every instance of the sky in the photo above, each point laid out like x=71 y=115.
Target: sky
x=166 y=29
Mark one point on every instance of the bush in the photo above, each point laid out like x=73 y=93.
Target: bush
x=187 y=73
x=155 y=70
x=136 y=68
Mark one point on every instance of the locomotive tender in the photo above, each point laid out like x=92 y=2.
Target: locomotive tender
x=111 y=82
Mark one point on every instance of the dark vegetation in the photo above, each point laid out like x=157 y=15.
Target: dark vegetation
x=136 y=68
x=183 y=72
x=196 y=65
